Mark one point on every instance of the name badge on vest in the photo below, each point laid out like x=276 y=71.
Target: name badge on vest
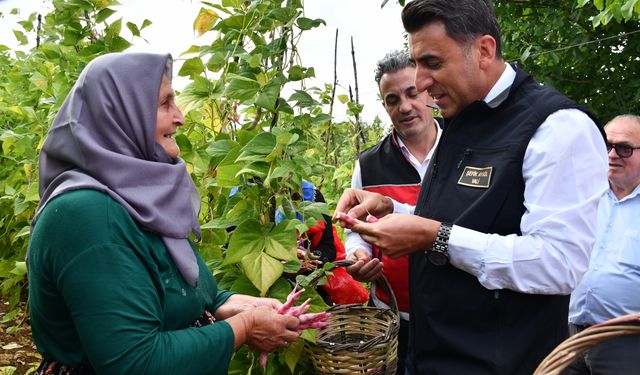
x=476 y=177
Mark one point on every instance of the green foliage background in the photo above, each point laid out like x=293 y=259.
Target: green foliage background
x=241 y=131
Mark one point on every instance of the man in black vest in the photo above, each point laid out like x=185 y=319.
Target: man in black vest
x=395 y=168
x=506 y=216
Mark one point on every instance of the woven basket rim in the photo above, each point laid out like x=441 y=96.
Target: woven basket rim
x=391 y=330
x=571 y=348
x=323 y=351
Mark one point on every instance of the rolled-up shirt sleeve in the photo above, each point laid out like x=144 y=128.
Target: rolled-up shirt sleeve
x=353 y=241
x=565 y=173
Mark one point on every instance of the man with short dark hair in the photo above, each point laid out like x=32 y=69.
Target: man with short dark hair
x=505 y=221
x=609 y=288
x=395 y=167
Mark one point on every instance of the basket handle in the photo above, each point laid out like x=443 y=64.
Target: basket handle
x=382 y=280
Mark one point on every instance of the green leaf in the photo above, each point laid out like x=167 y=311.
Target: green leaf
x=292 y=266
x=282 y=242
x=582 y=3
x=20 y=37
x=293 y=354
x=242 y=88
x=283 y=15
x=343 y=98
x=133 y=28
x=184 y=143
x=627 y=9
x=256 y=169
x=599 y=4
x=307 y=23
x=247 y=238
x=231 y=3
x=287 y=138
x=223 y=223
x=191 y=67
x=258 y=148
x=39 y=81
x=243 y=285
x=355 y=109
x=227 y=175
x=228 y=169
x=205 y=20
x=20 y=269
x=262 y=270
x=313 y=209
x=254 y=60
x=269 y=95
x=104 y=14
x=280 y=290
x=302 y=99
x=115 y=27
x=296 y=73
x=119 y=44
x=280 y=172
x=51 y=51
x=145 y=23
x=219 y=148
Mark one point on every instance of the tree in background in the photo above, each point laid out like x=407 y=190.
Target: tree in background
x=587 y=49
x=619 y=10
x=558 y=44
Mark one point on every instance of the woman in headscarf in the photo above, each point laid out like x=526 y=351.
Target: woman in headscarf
x=115 y=286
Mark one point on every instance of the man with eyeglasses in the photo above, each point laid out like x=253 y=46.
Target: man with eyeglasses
x=610 y=287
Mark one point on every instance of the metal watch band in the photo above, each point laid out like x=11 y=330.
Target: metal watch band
x=438 y=254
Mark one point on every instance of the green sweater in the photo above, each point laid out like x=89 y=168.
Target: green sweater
x=104 y=291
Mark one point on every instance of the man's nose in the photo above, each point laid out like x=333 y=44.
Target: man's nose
x=424 y=80
x=405 y=105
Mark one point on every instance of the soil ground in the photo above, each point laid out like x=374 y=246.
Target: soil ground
x=18 y=355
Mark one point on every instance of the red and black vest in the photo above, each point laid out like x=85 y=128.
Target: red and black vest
x=475 y=181
x=385 y=170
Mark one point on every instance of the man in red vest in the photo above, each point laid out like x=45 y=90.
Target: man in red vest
x=395 y=167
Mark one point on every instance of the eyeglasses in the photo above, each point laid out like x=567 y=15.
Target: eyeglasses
x=623 y=151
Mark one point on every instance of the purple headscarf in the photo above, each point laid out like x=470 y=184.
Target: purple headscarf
x=103 y=138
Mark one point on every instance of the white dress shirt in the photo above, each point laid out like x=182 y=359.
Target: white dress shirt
x=565 y=174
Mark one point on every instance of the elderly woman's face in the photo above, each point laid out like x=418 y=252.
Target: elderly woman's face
x=169 y=118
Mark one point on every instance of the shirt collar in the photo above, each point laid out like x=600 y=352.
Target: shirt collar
x=632 y=195
x=407 y=153
x=500 y=89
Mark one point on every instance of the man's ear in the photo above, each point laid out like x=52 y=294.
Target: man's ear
x=486 y=45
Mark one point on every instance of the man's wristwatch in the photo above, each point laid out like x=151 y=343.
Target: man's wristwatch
x=438 y=254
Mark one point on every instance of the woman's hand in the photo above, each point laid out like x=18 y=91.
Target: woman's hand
x=272 y=331
x=263 y=328
x=238 y=303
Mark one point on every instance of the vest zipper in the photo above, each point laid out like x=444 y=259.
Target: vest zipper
x=467 y=152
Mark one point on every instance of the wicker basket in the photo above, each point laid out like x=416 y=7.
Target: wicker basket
x=359 y=340
x=567 y=352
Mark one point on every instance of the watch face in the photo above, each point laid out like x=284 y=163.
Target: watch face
x=438 y=258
